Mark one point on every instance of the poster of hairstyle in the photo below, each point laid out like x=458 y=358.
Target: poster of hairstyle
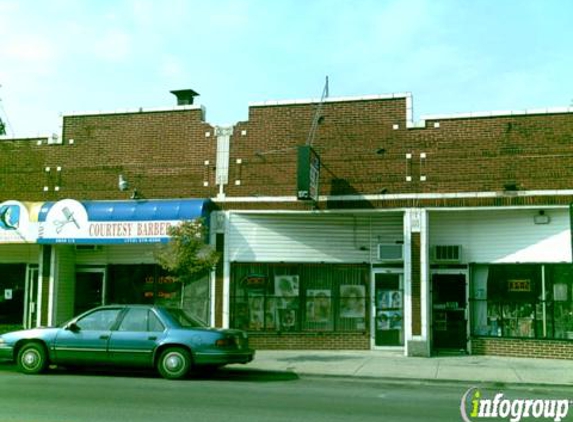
x=383 y=320
x=270 y=314
x=287 y=319
x=256 y=312
x=318 y=305
x=286 y=285
x=352 y=299
x=396 y=299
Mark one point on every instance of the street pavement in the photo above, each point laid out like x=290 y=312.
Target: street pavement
x=392 y=365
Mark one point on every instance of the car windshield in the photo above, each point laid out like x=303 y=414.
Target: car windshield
x=184 y=320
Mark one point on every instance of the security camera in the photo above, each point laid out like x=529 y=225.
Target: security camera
x=122 y=184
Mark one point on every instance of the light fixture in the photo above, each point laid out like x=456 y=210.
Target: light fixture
x=122 y=183
x=541 y=218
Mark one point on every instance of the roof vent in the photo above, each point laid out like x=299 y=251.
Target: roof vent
x=184 y=96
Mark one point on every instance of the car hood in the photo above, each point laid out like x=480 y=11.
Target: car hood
x=40 y=332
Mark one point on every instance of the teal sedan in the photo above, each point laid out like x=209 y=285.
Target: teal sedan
x=128 y=336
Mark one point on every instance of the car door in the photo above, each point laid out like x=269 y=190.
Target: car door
x=135 y=339
x=85 y=341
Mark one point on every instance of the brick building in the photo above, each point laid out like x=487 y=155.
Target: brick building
x=448 y=234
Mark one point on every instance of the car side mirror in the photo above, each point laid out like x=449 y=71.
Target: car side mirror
x=73 y=327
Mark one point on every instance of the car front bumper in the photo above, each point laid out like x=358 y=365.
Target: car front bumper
x=6 y=352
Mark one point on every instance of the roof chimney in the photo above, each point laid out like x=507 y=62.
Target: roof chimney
x=184 y=96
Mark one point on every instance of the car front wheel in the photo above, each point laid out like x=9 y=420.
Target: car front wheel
x=174 y=363
x=32 y=358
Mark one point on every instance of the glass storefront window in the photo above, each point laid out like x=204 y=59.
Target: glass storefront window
x=522 y=300
x=147 y=283
x=299 y=297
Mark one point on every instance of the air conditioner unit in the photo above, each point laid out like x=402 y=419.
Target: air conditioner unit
x=391 y=251
x=447 y=253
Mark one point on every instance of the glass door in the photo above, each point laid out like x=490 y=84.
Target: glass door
x=388 y=302
x=89 y=289
x=449 y=315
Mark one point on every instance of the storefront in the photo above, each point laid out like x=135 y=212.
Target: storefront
x=502 y=282
x=19 y=256
x=322 y=281
x=100 y=252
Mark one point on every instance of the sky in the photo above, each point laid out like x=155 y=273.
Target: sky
x=454 y=56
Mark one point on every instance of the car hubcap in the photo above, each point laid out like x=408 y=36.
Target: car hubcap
x=30 y=359
x=174 y=363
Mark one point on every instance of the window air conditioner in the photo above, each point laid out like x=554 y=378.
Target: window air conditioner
x=390 y=251
x=447 y=253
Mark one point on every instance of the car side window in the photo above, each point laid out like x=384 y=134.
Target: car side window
x=154 y=323
x=134 y=320
x=140 y=320
x=101 y=320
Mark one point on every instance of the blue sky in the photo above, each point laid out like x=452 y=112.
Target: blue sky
x=61 y=56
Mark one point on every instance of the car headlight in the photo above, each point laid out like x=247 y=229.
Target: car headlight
x=2 y=341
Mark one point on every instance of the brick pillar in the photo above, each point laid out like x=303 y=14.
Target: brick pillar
x=416 y=285
x=220 y=247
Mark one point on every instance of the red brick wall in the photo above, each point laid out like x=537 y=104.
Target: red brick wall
x=161 y=154
x=550 y=349
x=310 y=341
x=462 y=155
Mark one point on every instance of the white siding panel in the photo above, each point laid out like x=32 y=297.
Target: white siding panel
x=65 y=283
x=117 y=254
x=504 y=235
x=19 y=254
x=309 y=238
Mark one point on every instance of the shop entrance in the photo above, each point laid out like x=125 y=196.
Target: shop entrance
x=388 y=308
x=90 y=283
x=449 y=312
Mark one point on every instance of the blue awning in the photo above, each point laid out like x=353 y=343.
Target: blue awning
x=94 y=222
x=141 y=210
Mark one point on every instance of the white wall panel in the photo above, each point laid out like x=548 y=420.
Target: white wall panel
x=504 y=235
x=19 y=254
x=310 y=237
x=117 y=254
x=65 y=283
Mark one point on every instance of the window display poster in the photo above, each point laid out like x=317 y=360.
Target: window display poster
x=286 y=285
x=560 y=292
x=352 y=301
x=389 y=320
x=389 y=299
x=287 y=319
x=318 y=305
x=271 y=314
x=256 y=312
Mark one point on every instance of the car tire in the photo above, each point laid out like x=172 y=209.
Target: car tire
x=174 y=363
x=32 y=358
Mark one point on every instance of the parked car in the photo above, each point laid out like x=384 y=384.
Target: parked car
x=128 y=336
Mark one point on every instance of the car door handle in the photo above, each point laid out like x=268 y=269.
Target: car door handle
x=104 y=337
x=152 y=338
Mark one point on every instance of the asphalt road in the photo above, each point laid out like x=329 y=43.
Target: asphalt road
x=230 y=395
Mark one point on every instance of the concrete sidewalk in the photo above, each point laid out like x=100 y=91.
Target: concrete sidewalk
x=394 y=365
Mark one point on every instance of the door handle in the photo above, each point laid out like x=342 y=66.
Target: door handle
x=104 y=337
x=152 y=338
